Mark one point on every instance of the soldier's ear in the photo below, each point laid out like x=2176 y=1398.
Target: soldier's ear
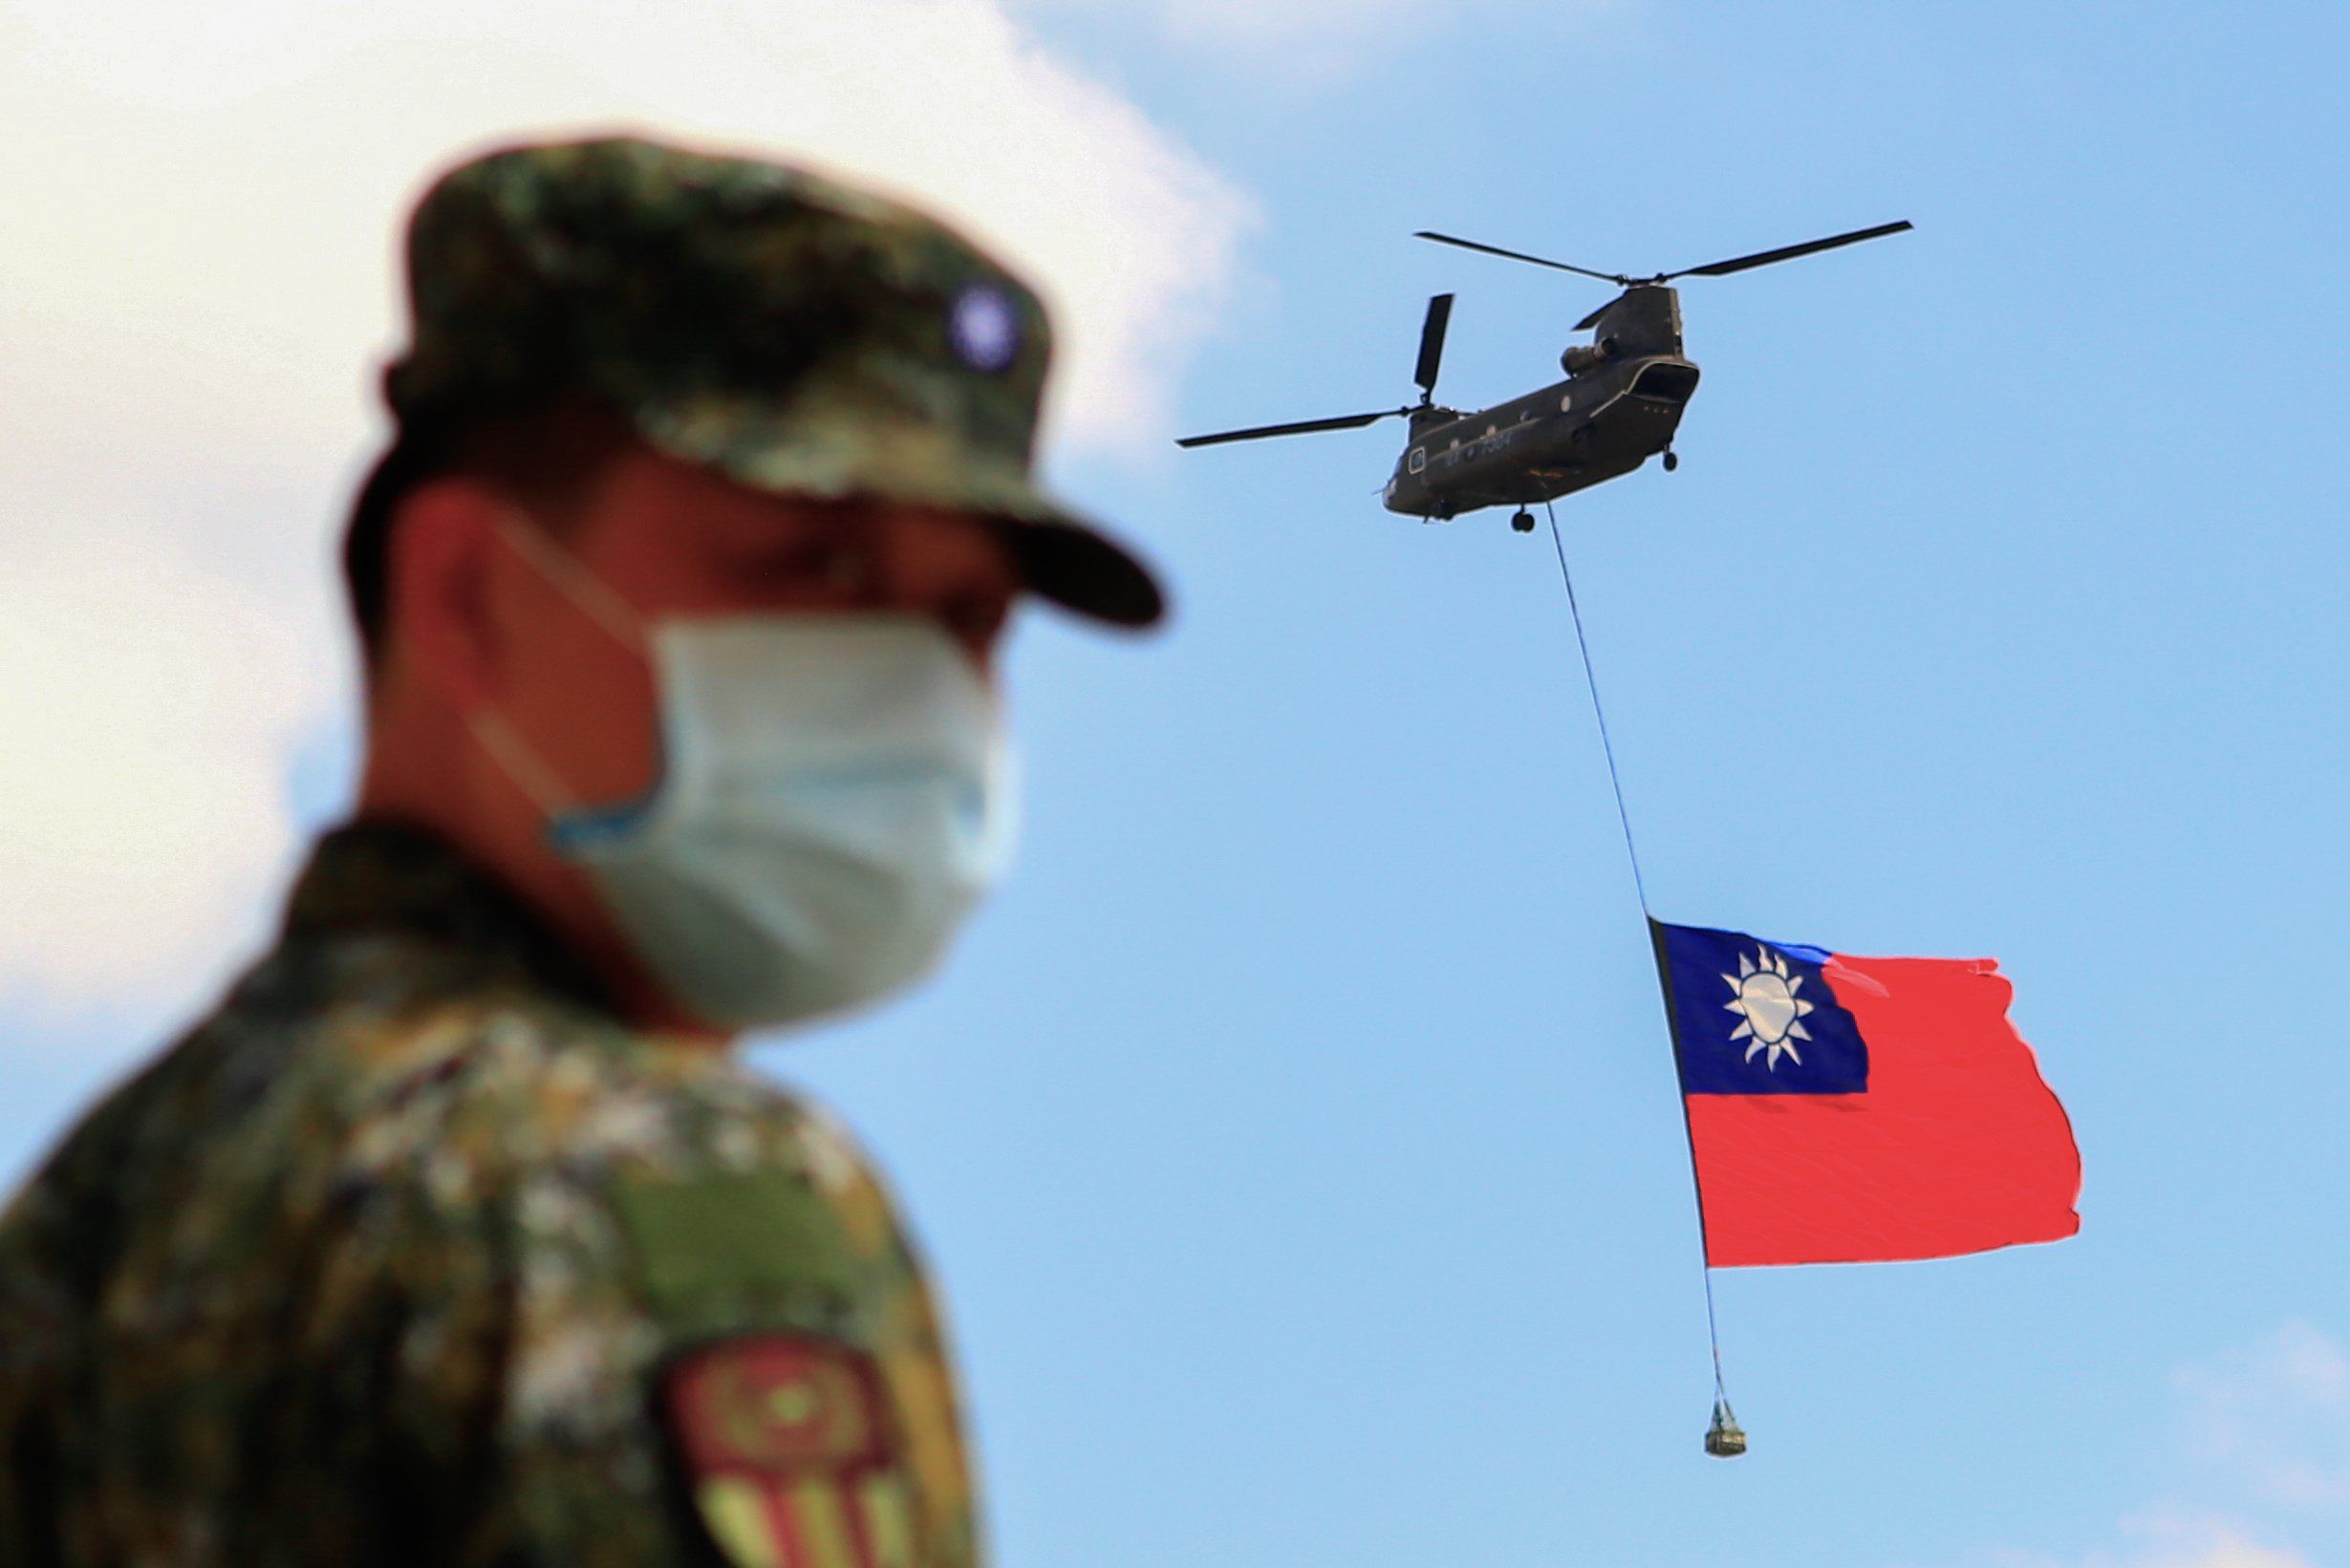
x=441 y=557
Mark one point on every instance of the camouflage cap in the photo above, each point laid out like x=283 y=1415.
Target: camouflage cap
x=789 y=332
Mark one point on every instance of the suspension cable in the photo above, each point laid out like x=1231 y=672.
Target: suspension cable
x=1631 y=852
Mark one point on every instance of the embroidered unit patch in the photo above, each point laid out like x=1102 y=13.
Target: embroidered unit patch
x=792 y=1455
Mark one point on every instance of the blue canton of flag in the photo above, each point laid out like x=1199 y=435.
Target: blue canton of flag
x=1751 y=1017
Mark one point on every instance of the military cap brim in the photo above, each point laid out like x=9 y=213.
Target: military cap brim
x=1062 y=555
x=1083 y=569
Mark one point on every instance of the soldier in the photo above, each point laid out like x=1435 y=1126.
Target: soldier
x=457 y=1235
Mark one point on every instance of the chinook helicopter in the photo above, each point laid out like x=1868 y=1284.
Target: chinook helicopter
x=1620 y=404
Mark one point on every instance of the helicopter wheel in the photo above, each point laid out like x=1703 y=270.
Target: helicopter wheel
x=1673 y=459
x=1523 y=521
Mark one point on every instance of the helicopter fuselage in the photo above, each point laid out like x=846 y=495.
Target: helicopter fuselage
x=1568 y=436
x=1622 y=401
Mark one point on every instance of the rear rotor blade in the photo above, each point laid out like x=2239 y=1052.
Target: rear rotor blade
x=1520 y=255
x=1764 y=257
x=1432 y=342
x=1592 y=320
x=1304 y=427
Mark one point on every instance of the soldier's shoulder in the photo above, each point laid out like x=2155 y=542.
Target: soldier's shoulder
x=530 y=1079
x=641 y=1171
x=660 y=1173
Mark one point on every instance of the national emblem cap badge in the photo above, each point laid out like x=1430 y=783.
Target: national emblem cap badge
x=984 y=329
x=790 y=1454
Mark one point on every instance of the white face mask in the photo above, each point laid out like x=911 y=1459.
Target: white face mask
x=834 y=798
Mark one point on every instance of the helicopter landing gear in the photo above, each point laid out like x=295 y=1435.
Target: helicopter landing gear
x=1523 y=521
x=1673 y=459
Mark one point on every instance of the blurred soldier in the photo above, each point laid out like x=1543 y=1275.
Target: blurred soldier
x=458 y=1236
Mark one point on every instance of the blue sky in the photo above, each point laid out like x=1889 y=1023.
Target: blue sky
x=1295 y=1134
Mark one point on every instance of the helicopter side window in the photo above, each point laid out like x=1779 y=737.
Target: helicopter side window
x=1419 y=459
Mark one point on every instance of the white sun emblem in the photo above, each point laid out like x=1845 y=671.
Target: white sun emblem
x=1771 y=1014
x=984 y=329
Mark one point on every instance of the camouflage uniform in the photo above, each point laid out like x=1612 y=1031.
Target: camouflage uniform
x=404 y=1257
x=414 y=1253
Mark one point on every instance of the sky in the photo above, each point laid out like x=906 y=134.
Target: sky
x=1295 y=1132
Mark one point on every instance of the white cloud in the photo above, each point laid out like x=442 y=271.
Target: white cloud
x=1321 y=40
x=2277 y=1414
x=2174 y=1541
x=1252 y=27
x=2232 y=1550
x=232 y=174
x=203 y=210
x=145 y=708
x=2235 y=1552
x=2267 y=1431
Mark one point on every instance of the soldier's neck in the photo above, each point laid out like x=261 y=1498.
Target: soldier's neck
x=423 y=770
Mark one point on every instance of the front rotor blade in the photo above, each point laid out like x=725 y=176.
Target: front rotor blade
x=1432 y=342
x=1764 y=257
x=1520 y=255
x=1304 y=427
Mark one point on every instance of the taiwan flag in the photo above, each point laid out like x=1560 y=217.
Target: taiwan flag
x=1847 y=1111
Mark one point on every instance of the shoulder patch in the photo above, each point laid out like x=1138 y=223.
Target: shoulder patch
x=791 y=1454
x=703 y=1239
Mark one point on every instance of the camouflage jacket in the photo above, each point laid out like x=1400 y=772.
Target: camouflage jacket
x=412 y=1254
